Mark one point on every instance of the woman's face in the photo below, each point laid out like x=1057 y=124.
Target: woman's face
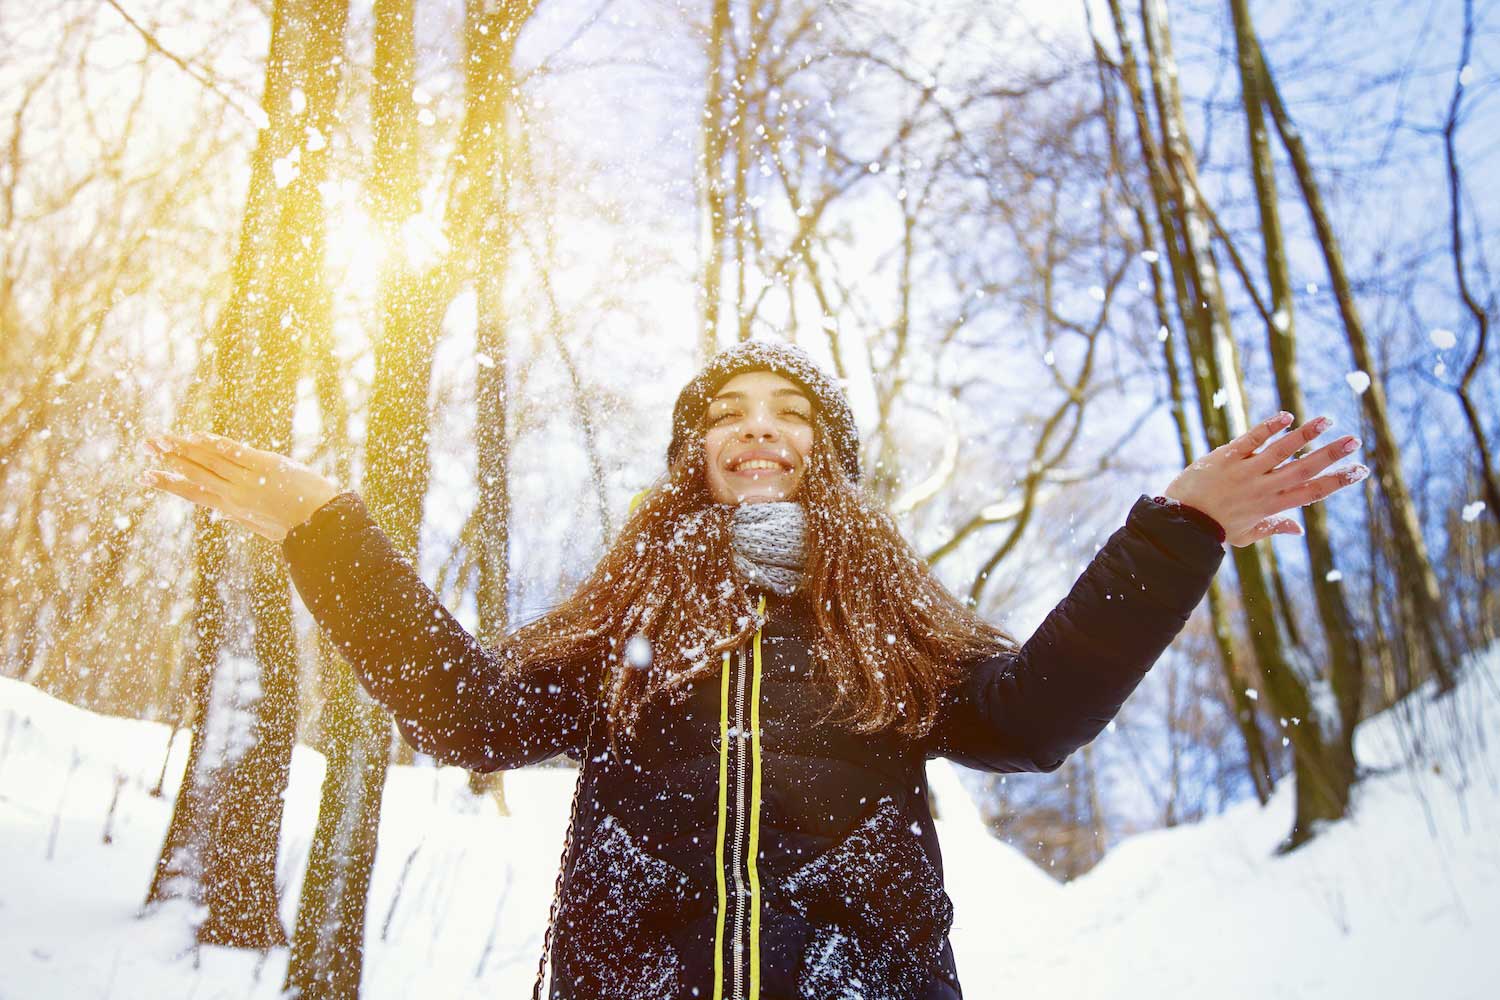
x=758 y=439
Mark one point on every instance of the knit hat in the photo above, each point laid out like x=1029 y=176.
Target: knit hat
x=786 y=360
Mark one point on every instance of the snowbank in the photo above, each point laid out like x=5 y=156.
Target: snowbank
x=1395 y=902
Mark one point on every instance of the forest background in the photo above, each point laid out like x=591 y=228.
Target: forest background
x=461 y=256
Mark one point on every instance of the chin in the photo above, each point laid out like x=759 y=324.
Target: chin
x=769 y=497
x=730 y=497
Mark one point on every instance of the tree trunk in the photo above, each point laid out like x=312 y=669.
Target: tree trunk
x=715 y=199
x=327 y=957
x=1245 y=715
x=1288 y=677
x=489 y=80
x=1431 y=620
x=1346 y=667
x=221 y=846
x=328 y=952
x=1489 y=479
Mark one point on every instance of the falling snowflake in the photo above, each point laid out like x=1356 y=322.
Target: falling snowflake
x=1358 y=381
x=638 y=652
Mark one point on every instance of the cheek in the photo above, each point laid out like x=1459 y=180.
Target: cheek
x=713 y=446
x=802 y=440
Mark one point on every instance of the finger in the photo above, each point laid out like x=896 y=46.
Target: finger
x=191 y=465
x=188 y=489
x=1311 y=464
x=1323 y=486
x=1256 y=436
x=207 y=458
x=225 y=449
x=1266 y=527
x=1287 y=446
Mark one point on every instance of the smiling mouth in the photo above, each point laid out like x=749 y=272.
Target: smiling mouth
x=755 y=468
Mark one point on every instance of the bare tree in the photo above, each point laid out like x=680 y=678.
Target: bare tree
x=1479 y=312
x=1346 y=665
x=327 y=953
x=1289 y=675
x=1245 y=712
x=1436 y=651
x=711 y=172
x=220 y=849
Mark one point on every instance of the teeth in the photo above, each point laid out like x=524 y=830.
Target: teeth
x=758 y=463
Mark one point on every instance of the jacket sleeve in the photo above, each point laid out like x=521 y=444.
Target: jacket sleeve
x=1028 y=709
x=451 y=697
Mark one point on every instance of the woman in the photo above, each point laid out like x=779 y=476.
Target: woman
x=753 y=678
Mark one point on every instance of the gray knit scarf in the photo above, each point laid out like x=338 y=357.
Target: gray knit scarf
x=770 y=544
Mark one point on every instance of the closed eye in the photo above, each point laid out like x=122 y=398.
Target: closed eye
x=731 y=414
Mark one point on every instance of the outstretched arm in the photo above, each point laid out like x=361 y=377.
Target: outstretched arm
x=451 y=698
x=1027 y=710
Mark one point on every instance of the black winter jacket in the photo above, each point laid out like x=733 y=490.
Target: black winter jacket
x=734 y=848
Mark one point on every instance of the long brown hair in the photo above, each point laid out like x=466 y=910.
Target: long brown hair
x=664 y=603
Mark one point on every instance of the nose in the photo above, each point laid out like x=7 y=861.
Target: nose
x=758 y=425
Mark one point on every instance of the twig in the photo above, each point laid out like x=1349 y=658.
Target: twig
x=181 y=63
x=489 y=941
x=385 y=928
x=61 y=797
x=114 y=800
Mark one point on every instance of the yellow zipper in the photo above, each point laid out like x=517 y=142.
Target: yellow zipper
x=721 y=881
x=754 y=851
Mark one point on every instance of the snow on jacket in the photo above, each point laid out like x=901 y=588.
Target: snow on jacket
x=734 y=848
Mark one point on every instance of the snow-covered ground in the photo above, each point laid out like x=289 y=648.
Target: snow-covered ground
x=1395 y=902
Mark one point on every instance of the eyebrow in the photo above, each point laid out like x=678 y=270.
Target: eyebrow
x=779 y=392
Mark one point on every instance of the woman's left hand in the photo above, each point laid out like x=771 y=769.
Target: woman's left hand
x=1246 y=490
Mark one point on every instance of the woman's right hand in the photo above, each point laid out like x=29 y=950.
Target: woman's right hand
x=268 y=493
